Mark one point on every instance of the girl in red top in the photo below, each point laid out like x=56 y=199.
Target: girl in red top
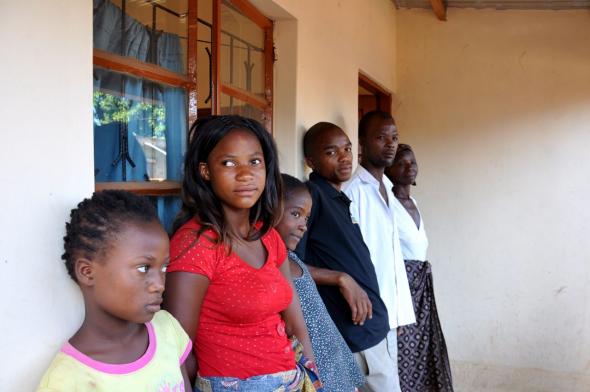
x=228 y=283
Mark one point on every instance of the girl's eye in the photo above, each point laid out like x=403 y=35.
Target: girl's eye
x=143 y=269
x=330 y=153
x=256 y=161
x=348 y=149
x=296 y=214
x=228 y=163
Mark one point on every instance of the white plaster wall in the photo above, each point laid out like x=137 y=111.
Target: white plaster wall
x=321 y=46
x=47 y=155
x=46 y=167
x=497 y=106
x=495 y=103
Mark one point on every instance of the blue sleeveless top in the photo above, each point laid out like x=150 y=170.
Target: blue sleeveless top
x=336 y=364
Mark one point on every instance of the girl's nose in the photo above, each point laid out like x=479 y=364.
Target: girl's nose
x=245 y=173
x=303 y=226
x=157 y=283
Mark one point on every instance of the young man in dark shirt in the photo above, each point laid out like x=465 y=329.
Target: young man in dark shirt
x=340 y=261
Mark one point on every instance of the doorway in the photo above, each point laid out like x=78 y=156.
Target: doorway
x=371 y=96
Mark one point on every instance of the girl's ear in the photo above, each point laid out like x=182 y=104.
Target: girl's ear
x=204 y=171
x=84 y=270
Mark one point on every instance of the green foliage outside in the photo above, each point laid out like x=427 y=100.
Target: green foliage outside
x=149 y=117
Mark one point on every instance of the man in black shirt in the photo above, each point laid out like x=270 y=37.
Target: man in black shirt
x=339 y=260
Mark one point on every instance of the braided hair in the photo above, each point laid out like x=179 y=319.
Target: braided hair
x=402 y=148
x=96 y=221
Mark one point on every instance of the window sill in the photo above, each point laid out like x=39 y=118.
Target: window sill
x=146 y=188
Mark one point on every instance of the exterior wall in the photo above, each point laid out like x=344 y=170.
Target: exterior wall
x=46 y=131
x=496 y=105
x=47 y=167
x=321 y=46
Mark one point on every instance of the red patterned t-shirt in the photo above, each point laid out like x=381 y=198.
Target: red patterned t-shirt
x=240 y=333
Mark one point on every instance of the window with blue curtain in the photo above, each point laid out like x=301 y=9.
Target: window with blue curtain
x=146 y=53
x=140 y=125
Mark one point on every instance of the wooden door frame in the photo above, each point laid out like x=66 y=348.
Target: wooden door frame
x=383 y=96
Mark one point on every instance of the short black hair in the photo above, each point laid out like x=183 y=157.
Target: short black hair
x=402 y=148
x=198 y=199
x=96 y=221
x=369 y=117
x=292 y=185
x=312 y=134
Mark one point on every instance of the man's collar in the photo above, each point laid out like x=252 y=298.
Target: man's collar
x=365 y=176
x=324 y=185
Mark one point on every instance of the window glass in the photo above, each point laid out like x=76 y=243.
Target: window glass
x=204 y=57
x=232 y=105
x=139 y=128
x=149 y=31
x=241 y=51
x=167 y=207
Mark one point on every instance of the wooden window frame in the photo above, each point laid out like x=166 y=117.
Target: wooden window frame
x=188 y=82
x=155 y=73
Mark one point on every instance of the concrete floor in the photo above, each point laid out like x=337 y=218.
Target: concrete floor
x=470 y=377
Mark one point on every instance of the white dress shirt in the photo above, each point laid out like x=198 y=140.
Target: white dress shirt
x=379 y=228
x=413 y=239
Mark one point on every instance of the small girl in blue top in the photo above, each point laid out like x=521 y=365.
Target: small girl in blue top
x=336 y=364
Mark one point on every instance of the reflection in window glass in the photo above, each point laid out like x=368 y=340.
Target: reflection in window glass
x=149 y=117
x=232 y=105
x=241 y=51
x=204 y=60
x=139 y=128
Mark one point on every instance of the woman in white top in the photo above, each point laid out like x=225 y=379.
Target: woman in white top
x=423 y=360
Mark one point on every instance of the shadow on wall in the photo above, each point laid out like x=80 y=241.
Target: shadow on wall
x=496 y=107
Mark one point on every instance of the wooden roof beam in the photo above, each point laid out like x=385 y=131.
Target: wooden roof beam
x=439 y=8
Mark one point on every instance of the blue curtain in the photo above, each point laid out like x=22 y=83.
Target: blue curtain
x=133 y=91
x=170 y=57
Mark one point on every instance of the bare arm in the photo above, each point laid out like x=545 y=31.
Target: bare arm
x=326 y=277
x=358 y=300
x=187 y=383
x=293 y=316
x=183 y=298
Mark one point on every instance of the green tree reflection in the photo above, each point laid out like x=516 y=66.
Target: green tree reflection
x=150 y=118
